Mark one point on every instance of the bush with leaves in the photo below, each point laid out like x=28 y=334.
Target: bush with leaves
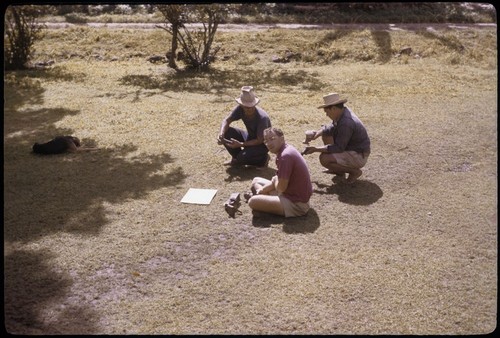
x=196 y=43
x=175 y=18
x=20 y=33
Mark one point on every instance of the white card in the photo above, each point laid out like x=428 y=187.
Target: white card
x=199 y=196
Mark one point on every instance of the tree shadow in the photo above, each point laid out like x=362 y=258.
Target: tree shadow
x=381 y=37
x=20 y=89
x=247 y=173
x=383 y=41
x=30 y=286
x=450 y=42
x=219 y=80
x=359 y=193
x=44 y=195
x=308 y=223
x=47 y=194
x=57 y=73
x=331 y=36
x=29 y=124
x=66 y=192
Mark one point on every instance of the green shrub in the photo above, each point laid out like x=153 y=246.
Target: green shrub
x=21 y=32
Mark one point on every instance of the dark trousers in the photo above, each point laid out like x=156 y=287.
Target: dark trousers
x=253 y=155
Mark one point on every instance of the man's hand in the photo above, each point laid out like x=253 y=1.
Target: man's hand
x=233 y=143
x=310 y=135
x=265 y=190
x=309 y=150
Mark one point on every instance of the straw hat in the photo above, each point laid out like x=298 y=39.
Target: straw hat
x=331 y=100
x=247 y=97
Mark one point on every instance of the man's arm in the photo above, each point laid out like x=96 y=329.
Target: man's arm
x=312 y=149
x=277 y=184
x=266 y=189
x=254 y=142
x=263 y=124
x=223 y=128
x=318 y=133
x=344 y=135
x=280 y=184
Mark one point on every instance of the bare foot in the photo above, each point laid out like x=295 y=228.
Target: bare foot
x=247 y=195
x=354 y=176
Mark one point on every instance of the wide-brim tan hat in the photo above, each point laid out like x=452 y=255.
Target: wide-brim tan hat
x=331 y=100
x=247 y=97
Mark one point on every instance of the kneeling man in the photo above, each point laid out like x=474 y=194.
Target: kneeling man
x=288 y=192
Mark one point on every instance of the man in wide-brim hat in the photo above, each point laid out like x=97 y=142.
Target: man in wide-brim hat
x=346 y=143
x=246 y=147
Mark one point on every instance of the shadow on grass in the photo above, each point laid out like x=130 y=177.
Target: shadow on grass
x=308 y=223
x=31 y=285
x=450 y=42
x=20 y=89
x=359 y=193
x=241 y=173
x=47 y=195
x=381 y=37
x=218 y=81
x=31 y=123
x=383 y=41
x=66 y=192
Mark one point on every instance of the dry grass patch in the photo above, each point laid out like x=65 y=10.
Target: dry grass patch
x=99 y=243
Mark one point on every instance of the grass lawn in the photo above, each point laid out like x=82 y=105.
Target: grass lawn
x=99 y=243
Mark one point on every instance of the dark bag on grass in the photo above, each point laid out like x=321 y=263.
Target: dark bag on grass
x=58 y=145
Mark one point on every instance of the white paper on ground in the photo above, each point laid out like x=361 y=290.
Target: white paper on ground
x=199 y=196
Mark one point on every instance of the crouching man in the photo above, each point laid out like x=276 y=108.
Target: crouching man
x=346 y=142
x=288 y=192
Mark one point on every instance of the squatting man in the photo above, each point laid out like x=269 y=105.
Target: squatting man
x=246 y=147
x=346 y=143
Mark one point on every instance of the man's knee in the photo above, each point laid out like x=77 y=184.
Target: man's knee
x=256 y=202
x=325 y=159
x=251 y=202
x=322 y=158
x=256 y=180
x=235 y=133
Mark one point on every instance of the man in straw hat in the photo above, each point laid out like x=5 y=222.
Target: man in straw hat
x=246 y=146
x=346 y=142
